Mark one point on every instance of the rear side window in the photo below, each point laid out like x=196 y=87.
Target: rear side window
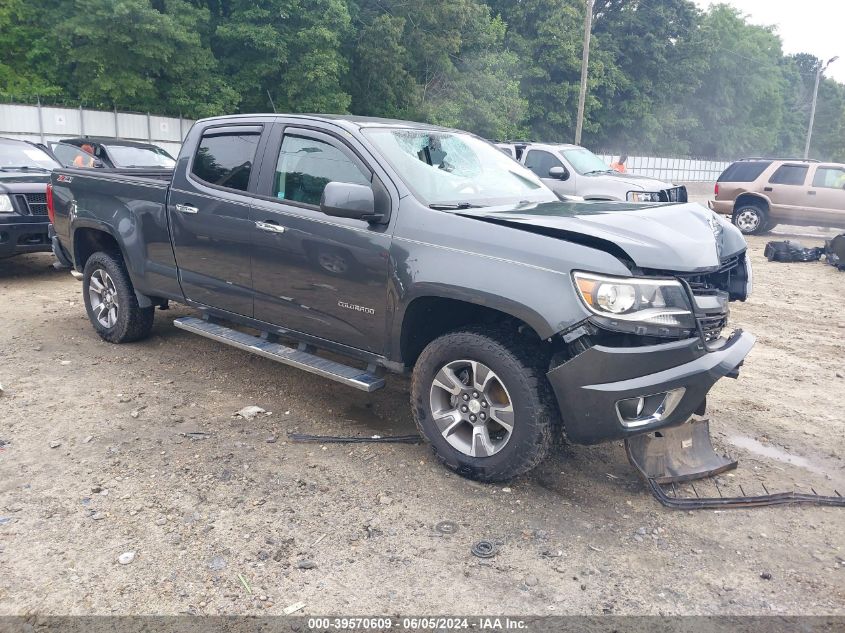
x=744 y=171
x=789 y=175
x=829 y=178
x=226 y=159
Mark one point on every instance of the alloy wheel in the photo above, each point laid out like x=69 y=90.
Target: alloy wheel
x=472 y=408
x=103 y=296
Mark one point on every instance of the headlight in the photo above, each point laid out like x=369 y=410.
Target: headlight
x=657 y=302
x=643 y=196
x=6 y=204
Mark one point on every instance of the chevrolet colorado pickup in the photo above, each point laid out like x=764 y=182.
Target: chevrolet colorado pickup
x=411 y=248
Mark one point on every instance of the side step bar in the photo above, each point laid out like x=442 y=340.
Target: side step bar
x=350 y=376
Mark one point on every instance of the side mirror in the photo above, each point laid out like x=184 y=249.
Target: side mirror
x=345 y=200
x=559 y=173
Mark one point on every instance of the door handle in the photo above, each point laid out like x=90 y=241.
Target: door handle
x=270 y=227
x=187 y=208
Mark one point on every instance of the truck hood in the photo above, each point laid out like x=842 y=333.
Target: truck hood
x=635 y=182
x=672 y=237
x=23 y=181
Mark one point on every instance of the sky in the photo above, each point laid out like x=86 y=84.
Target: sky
x=804 y=26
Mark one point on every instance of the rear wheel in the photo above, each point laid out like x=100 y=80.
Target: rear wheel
x=483 y=402
x=751 y=219
x=111 y=302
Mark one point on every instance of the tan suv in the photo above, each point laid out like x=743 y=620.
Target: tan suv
x=761 y=193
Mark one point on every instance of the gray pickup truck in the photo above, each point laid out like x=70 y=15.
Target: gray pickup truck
x=412 y=248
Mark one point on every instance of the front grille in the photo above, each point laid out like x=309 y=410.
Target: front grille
x=37 y=203
x=712 y=326
x=675 y=194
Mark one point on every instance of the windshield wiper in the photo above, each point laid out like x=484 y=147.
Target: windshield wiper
x=453 y=207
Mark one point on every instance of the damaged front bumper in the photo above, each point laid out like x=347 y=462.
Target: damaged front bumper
x=607 y=393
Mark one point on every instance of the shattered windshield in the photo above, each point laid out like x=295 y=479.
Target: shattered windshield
x=453 y=169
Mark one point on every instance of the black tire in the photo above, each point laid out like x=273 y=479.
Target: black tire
x=751 y=219
x=521 y=367
x=132 y=322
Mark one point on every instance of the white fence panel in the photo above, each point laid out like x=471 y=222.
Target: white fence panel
x=47 y=123
x=61 y=121
x=97 y=123
x=18 y=119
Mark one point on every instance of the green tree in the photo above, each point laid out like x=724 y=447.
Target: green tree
x=291 y=49
x=130 y=54
x=28 y=63
x=381 y=84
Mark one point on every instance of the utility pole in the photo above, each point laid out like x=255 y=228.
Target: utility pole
x=585 y=61
x=822 y=68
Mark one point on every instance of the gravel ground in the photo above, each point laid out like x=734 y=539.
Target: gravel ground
x=109 y=450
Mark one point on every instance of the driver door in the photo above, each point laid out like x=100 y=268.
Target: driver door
x=320 y=275
x=540 y=162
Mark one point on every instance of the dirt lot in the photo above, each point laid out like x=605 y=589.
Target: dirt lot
x=108 y=449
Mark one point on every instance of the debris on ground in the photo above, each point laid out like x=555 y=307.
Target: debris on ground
x=334 y=439
x=446 y=527
x=296 y=606
x=484 y=549
x=250 y=412
x=245 y=584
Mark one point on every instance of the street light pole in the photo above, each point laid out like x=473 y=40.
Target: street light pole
x=585 y=60
x=822 y=68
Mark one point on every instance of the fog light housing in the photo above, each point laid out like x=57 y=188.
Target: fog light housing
x=644 y=410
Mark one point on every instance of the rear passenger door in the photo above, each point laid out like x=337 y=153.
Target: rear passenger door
x=209 y=210
x=827 y=193
x=313 y=273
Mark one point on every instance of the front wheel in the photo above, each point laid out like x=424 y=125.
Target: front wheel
x=483 y=402
x=111 y=302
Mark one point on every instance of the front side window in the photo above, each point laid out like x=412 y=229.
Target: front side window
x=306 y=166
x=226 y=159
x=789 y=175
x=454 y=168
x=829 y=178
x=541 y=162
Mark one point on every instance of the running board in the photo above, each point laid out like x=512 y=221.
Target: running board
x=301 y=359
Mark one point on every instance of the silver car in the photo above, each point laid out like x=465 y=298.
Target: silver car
x=571 y=170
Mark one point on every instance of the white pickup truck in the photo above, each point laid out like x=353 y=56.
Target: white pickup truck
x=571 y=170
